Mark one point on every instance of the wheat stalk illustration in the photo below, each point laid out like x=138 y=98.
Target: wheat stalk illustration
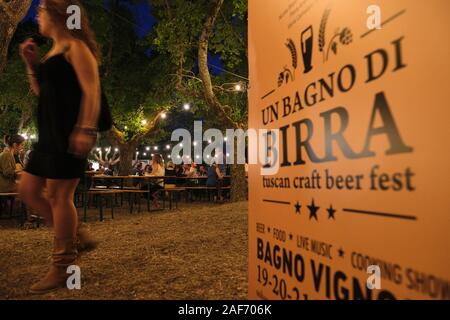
x=293 y=50
x=323 y=26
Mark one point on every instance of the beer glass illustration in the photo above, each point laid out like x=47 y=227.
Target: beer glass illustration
x=307 y=48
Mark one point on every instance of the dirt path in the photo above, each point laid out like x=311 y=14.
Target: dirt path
x=197 y=252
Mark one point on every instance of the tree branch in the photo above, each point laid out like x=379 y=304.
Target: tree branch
x=115 y=136
x=209 y=95
x=151 y=128
x=11 y=13
x=169 y=10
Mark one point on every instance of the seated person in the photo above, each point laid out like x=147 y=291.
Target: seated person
x=215 y=179
x=108 y=171
x=19 y=164
x=137 y=171
x=179 y=170
x=190 y=170
x=157 y=171
x=8 y=171
x=203 y=172
x=170 y=172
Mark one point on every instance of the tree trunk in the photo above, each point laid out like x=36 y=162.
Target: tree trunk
x=208 y=91
x=127 y=152
x=11 y=13
x=238 y=183
x=238 y=180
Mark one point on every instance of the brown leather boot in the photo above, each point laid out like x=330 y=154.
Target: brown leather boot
x=85 y=242
x=64 y=255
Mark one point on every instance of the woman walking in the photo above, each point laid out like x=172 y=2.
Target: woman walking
x=67 y=83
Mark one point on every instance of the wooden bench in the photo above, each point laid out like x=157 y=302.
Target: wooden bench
x=209 y=189
x=137 y=198
x=171 y=191
x=102 y=194
x=11 y=197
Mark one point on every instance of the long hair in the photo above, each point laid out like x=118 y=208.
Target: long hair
x=57 y=10
x=9 y=140
x=157 y=159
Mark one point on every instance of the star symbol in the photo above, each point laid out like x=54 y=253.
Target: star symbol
x=331 y=212
x=297 y=208
x=341 y=253
x=313 y=211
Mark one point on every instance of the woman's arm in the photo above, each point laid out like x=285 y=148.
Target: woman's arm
x=7 y=166
x=86 y=68
x=219 y=173
x=29 y=53
x=32 y=79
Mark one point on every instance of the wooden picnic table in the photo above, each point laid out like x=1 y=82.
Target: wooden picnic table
x=94 y=176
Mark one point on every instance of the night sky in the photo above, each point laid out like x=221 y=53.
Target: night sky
x=144 y=23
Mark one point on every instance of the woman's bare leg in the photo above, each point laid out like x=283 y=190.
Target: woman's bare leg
x=65 y=217
x=31 y=190
x=60 y=197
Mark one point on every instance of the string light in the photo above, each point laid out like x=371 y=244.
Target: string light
x=168 y=147
x=148 y=148
x=155 y=148
x=144 y=122
x=186 y=106
x=164 y=116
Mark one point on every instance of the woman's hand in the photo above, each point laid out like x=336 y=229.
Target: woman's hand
x=29 y=52
x=81 y=143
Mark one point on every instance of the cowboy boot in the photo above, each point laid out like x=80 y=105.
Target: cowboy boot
x=64 y=255
x=85 y=242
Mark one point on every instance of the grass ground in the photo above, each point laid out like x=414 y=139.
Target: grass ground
x=196 y=252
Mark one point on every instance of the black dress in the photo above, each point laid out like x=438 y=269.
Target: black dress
x=57 y=114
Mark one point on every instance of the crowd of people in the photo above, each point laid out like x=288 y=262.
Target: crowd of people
x=214 y=174
x=13 y=159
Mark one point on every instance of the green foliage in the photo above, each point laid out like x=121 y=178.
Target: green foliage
x=16 y=98
x=135 y=84
x=177 y=33
x=180 y=26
